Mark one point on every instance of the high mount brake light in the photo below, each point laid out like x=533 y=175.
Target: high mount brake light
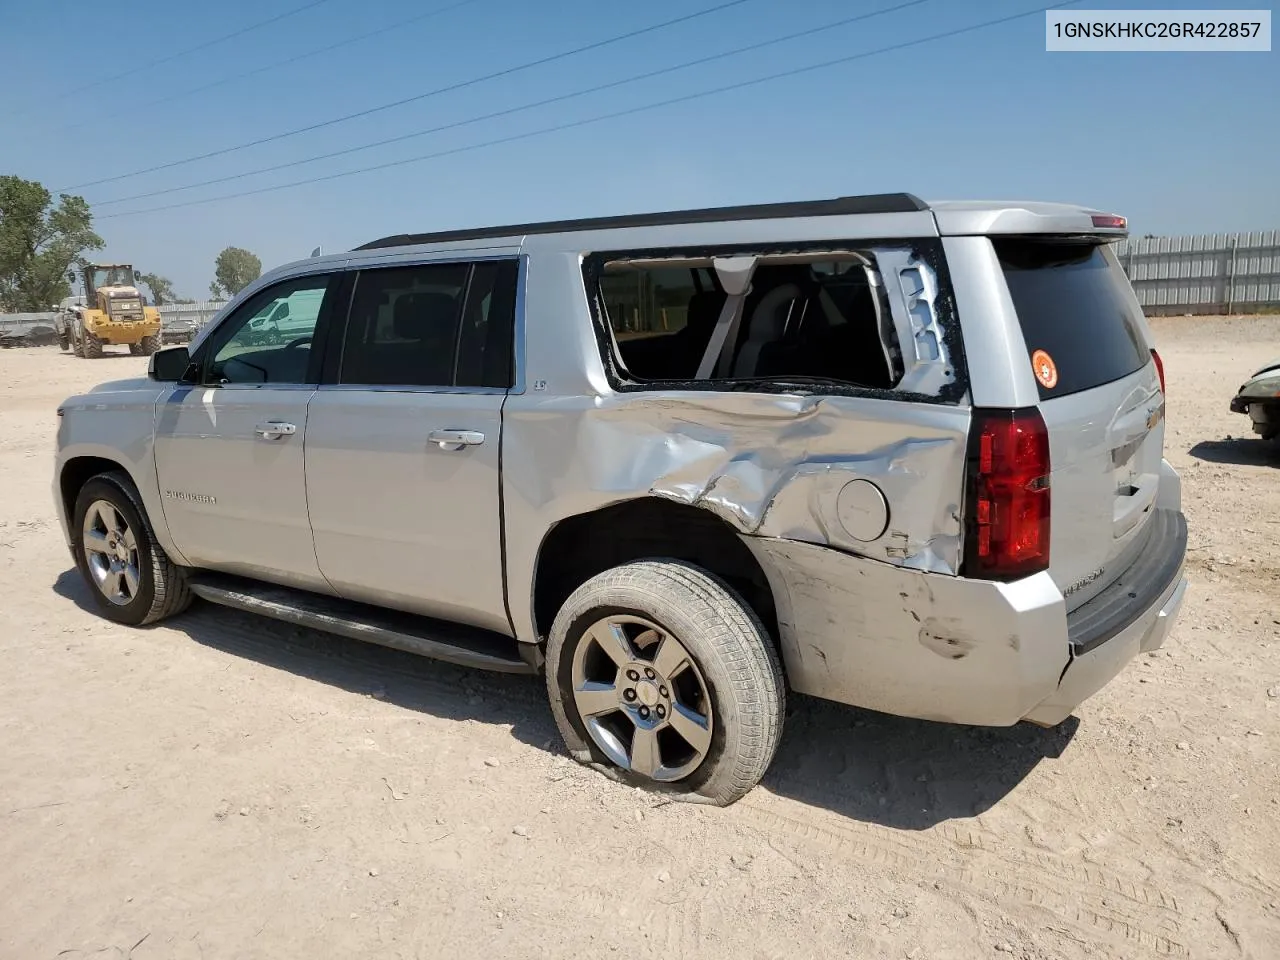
x=1007 y=534
x=1109 y=221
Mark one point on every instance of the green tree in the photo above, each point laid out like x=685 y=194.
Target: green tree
x=39 y=241
x=234 y=270
x=161 y=288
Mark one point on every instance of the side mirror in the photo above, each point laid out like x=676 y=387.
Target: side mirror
x=169 y=365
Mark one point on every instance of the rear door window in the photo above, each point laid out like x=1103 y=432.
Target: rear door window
x=437 y=325
x=403 y=326
x=1074 y=303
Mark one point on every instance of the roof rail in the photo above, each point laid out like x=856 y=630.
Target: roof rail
x=841 y=206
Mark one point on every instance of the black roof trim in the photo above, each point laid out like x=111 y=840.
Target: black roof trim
x=840 y=207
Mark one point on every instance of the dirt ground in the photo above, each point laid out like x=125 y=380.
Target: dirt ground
x=222 y=786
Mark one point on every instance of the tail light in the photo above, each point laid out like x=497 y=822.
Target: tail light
x=1007 y=534
x=1159 y=368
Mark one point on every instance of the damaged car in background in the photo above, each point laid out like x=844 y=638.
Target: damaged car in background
x=1259 y=398
x=898 y=455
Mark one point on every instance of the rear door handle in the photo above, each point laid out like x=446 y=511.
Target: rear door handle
x=274 y=430
x=455 y=439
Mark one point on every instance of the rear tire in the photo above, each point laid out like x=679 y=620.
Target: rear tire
x=64 y=341
x=147 y=345
x=700 y=719
x=132 y=579
x=92 y=346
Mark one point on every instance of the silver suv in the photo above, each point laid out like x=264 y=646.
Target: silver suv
x=899 y=455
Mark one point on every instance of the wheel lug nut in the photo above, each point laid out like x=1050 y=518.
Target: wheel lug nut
x=629 y=694
x=648 y=672
x=661 y=711
x=662 y=690
x=644 y=713
x=632 y=676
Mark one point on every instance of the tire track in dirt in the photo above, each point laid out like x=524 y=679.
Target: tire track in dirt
x=1099 y=904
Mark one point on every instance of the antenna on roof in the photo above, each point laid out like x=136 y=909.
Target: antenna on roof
x=315 y=252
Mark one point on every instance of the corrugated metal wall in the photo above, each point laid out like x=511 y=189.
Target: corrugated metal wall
x=1209 y=273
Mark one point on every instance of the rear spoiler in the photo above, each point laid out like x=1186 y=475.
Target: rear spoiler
x=1058 y=220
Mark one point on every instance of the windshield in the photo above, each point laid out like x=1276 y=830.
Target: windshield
x=112 y=277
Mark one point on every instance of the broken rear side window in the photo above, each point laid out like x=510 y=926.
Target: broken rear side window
x=800 y=318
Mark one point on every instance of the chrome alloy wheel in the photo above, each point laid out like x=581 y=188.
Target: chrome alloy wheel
x=642 y=698
x=111 y=552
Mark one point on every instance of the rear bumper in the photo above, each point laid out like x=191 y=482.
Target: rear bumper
x=938 y=647
x=1091 y=671
x=1136 y=592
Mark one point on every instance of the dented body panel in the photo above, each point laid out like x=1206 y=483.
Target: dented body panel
x=770 y=466
x=915 y=644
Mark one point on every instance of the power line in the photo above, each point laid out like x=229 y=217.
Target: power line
x=149 y=64
x=277 y=64
x=524 y=107
x=599 y=118
x=421 y=96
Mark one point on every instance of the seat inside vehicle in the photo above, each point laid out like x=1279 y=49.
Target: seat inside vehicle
x=802 y=323
x=419 y=350
x=675 y=356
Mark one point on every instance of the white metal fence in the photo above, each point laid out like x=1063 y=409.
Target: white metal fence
x=1209 y=273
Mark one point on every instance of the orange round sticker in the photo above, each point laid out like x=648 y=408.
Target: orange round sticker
x=1046 y=370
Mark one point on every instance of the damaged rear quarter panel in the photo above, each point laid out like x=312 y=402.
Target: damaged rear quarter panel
x=770 y=464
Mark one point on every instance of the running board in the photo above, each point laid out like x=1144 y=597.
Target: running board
x=440 y=640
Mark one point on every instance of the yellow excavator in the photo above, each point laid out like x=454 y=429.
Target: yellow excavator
x=112 y=311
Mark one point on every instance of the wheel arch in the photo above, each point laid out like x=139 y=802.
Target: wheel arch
x=79 y=470
x=80 y=463
x=578 y=547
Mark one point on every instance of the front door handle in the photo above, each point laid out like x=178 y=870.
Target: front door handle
x=274 y=430
x=455 y=439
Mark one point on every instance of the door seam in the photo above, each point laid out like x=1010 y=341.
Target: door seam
x=306 y=494
x=502 y=514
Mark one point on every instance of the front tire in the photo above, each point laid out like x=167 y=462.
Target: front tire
x=64 y=341
x=92 y=346
x=132 y=579
x=661 y=676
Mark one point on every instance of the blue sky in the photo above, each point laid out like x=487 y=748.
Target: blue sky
x=1178 y=142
